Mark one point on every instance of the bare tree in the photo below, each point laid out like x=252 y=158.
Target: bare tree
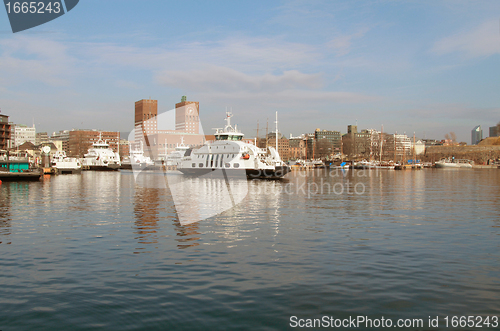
x=453 y=137
x=324 y=148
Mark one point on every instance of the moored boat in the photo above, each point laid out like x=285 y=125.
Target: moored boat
x=454 y=163
x=64 y=164
x=101 y=158
x=232 y=156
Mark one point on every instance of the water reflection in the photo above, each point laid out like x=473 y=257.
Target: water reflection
x=147 y=203
x=188 y=234
x=5 y=215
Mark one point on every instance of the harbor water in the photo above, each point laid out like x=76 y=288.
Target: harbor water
x=96 y=251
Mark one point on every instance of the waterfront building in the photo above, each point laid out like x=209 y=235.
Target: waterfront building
x=283 y=145
x=357 y=144
x=5 y=132
x=124 y=148
x=41 y=138
x=334 y=138
x=145 y=124
x=476 y=135
x=418 y=147
x=81 y=140
x=494 y=131
x=22 y=134
x=187 y=116
x=297 y=147
x=158 y=141
x=403 y=146
x=61 y=140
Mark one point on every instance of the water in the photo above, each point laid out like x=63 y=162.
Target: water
x=95 y=251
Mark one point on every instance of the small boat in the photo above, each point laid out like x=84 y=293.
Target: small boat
x=233 y=156
x=64 y=164
x=174 y=159
x=101 y=158
x=139 y=161
x=454 y=163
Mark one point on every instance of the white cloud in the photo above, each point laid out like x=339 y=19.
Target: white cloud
x=341 y=45
x=224 y=79
x=246 y=54
x=484 y=40
x=24 y=59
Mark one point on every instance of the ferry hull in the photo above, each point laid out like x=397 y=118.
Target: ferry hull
x=69 y=171
x=113 y=167
x=276 y=173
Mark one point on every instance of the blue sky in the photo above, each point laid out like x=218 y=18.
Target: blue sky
x=428 y=67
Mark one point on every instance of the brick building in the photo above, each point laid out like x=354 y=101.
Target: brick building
x=157 y=141
x=5 y=133
x=297 y=148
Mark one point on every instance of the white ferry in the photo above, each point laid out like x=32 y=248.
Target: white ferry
x=64 y=164
x=454 y=163
x=101 y=157
x=231 y=154
x=138 y=160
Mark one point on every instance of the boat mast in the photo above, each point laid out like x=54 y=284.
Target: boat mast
x=276 y=131
x=267 y=131
x=414 y=156
x=381 y=143
x=257 y=136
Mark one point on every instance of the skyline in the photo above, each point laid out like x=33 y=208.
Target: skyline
x=421 y=67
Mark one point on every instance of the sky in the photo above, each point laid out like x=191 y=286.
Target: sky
x=429 y=67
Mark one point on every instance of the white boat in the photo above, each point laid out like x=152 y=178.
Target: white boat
x=454 y=163
x=174 y=159
x=64 y=164
x=229 y=153
x=101 y=157
x=138 y=160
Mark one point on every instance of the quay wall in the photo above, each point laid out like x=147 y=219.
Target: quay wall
x=479 y=154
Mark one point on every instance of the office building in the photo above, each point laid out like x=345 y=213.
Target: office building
x=476 y=135
x=494 y=131
x=22 y=133
x=5 y=133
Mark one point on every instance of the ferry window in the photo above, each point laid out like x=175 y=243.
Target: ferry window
x=216 y=160
x=200 y=165
x=236 y=165
x=221 y=159
x=193 y=165
x=228 y=165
